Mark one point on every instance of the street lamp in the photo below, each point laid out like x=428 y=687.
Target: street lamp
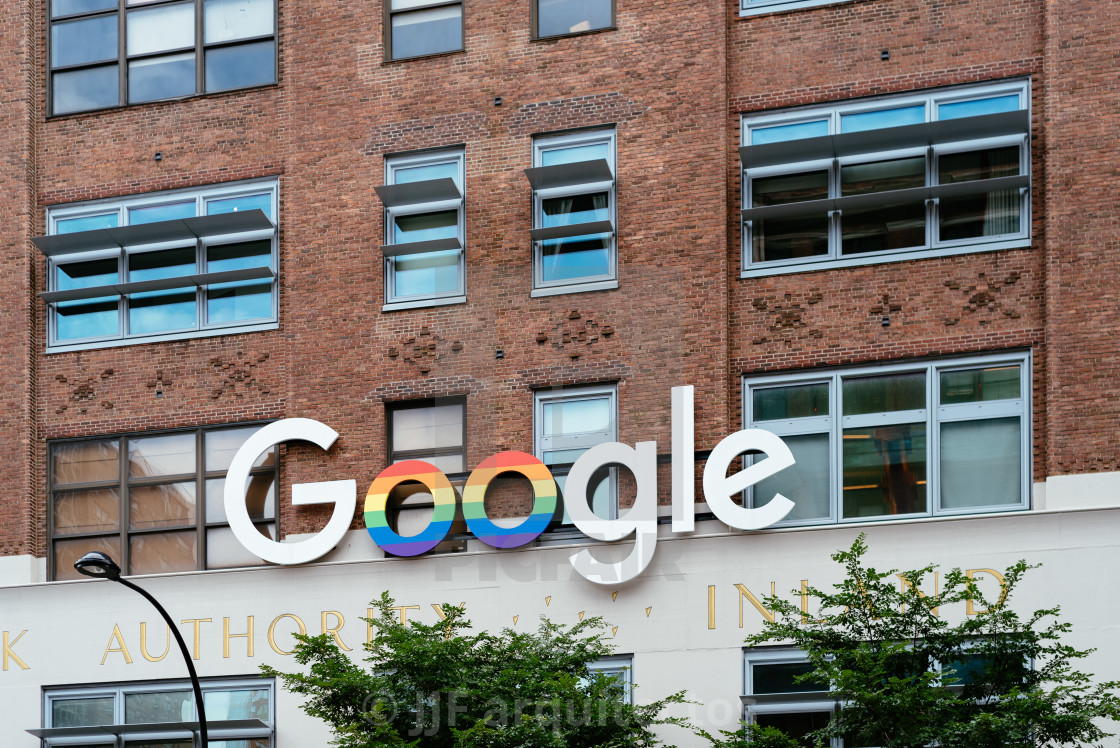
x=99 y=566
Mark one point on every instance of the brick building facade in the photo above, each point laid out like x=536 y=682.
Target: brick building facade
x=684 y=104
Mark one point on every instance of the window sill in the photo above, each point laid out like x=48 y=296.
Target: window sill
x=168 y=337
x=879 y=259
x=448 y=53
x=606 y=285
x=570 y=34
x=775 y=8
x=396 y=306
x=174 y=100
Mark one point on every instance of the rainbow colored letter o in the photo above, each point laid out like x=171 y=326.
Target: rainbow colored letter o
x=474 y=495
x=378 y=495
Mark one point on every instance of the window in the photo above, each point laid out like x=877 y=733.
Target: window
x=755 y=7
x=775 y=698
x=619 y=668
x=416 y=28
x=888 y=179
x=573 y=213
x=949 y=437
x=239 y=714
x=154 y=501
x=564 y=17
x=423 y=250
x=566 y=424
x=105 y=53
x=155 y=267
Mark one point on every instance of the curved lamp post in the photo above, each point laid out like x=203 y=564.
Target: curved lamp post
x=98 y=565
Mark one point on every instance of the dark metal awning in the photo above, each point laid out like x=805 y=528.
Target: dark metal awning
x=94 y=731
x=568 y=175
x=415 y=248
x=886 y=139
x=179 y=229
x=160 y=284
x=414 y=193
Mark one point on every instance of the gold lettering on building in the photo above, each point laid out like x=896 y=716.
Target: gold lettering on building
x=906 y=583
x=745 y=593
x=12 y=656
x=970 y=607
x=272 y=630
x=439 y=610
x=109 y=648
x=711 y=606
x=340 y=622
x=226 y=636
x=144 y=643
x=404 y=611
x=197 y=622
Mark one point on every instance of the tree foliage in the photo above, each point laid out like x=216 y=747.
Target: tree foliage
x=444 y=686
x=909 y=677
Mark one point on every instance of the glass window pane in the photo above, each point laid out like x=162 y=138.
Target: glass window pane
x=434 y=427
x=427 y=32
x=160 y=553
x=151 y=456
x=884 y=470
x=806 y=483
x=572 y=16
x=260 y=498
x=425 y=172
x=881 y=176
x=250 y=743
x=884 y=393
x=990 y=105
x=574 y=154
x=82 y=712
x=225 y=20
x=154 y=213
x=800 y=401
x=87 y=40
x=163 y=743
x=238 y=256
x=66 y=552
x=224 y=551
x=241 y=202
x=981 y=463
x=980 y=385
x=897 y=117
x=89 y=318
x=86 y=223
x=68 y=7
x=781 y=678
x=168 y=263
x=890 y=226
x=422 y=227
x=170 y=505
x=796 y=724
x=426 y=274
x=82 y=90
x=984 y=214
x=222 y=444
x=160 y=28
x=96 y=510
x=157 y=78
x=233 y=302
x=162 y=311
x=569 y=417
x=158 y=706
x=240 y=66
x=238 y=704
x=782 y=133
x=85 y=462
x=89 y=274
x=789 y=238
x=572 y=257
x=566 y=211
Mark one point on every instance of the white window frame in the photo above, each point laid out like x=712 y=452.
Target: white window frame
x=933 y=246
x=392 y=164
x=590 y=283
x=122 y=206
x=933 y=415
x=760 y=7
x=780 y=703
x=544 y=443
x=620 y=667
x=174 y=731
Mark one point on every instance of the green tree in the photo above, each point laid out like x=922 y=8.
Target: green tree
x=908 y=677
x=441 y=685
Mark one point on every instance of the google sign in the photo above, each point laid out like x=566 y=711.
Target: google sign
x=640 y=520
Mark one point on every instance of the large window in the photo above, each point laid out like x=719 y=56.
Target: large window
x=754 y=7
x=416 y=28
x=886 y=179
x=239 y=714
x=423 y=250
x=950 y=437
x=573 y=212
x=154 y=502
x=106 y=53
x=775 y=698
x=564 y=17
x=568 y=422
x=170 y=265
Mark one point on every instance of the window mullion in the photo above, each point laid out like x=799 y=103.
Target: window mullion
x=122 y=513
x=122 y=56
x=199 y=55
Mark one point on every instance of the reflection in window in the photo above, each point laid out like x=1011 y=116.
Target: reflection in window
x=559 y=17
x=423 y=27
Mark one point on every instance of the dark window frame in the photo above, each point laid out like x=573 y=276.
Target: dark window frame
x=123 y=483
x=534 y=23
x=387 y=27
x=199 y=49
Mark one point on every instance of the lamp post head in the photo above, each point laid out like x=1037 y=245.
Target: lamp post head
x=98 y=565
